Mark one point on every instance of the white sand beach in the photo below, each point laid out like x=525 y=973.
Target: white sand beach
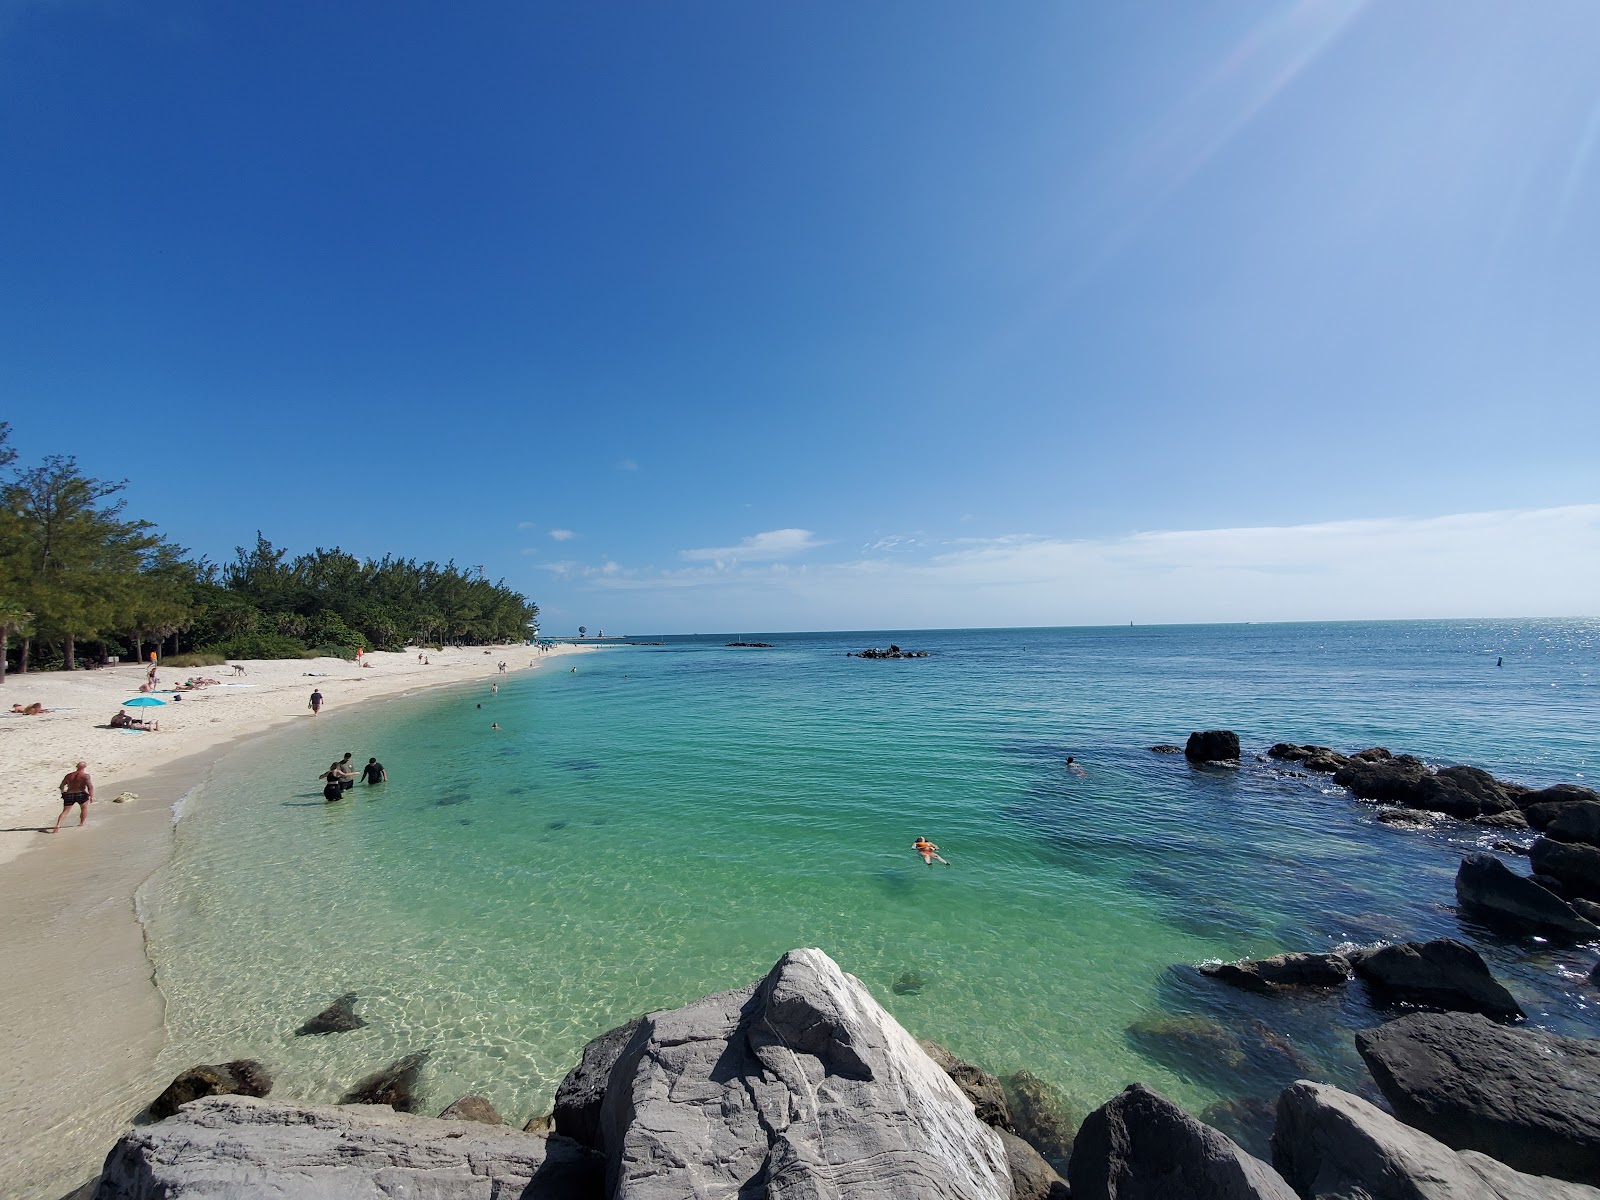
x=84 y=1017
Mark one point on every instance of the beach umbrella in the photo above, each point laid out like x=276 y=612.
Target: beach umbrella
x=142 y=702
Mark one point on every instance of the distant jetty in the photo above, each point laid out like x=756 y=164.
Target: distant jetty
x=751 y=645
x=891 y=652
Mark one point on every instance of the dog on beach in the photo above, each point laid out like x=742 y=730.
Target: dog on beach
x=237 y=668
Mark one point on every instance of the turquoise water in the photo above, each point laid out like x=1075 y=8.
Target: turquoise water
x=667 y=820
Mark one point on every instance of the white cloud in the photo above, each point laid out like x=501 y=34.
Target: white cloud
x=562 y=535
x=627 y=464
x=762 y=547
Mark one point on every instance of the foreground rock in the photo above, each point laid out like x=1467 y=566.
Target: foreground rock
x=1212 y=745
x=1489 y=888
x=1546 y=804
x=1032 y=1177
x=338 y=1017
x=578 y=1098
x=1523 y=1096
x=1579 y=822
x=243 y=1077
x=228 y=1148
x=1576 y=865
x=799 y=1085
x=1282 y=970
x=395 y=1085
x=1141 y=1146
x=983 y=1089
x=1438 y=974
x=1335 y=1146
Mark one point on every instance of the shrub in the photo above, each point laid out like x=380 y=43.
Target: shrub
x=200 y=658
x=258 y=645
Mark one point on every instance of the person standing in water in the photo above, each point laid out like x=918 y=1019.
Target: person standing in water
x=316 y=701
x=76 y=788
x=373 y=773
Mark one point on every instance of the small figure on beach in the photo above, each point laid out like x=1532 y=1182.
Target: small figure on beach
x=373 y=773
x=928 y=850
x=31 y=710
x=237 y=668
x=76 y=788
x=316 y=701
x=121 y=720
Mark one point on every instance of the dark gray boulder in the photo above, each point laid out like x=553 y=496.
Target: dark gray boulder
x=1545 y=804
x=1588 y=910
x=1164 y=748
x=395 y=1085
x=1141 y=1146
x=1577 y=822
x=338 y=1017
x=1463 y=792
x=1575 y=864
x=983 y=1089
x=1315 y=758
x=799 y=1085
x=1041 y=1116
x=1438 y=974
x=242 y=1077
x=228 y=1148
x=1212 y=745
x=1331 y=1145
x=1488 y=888
x=1523 y=1096
x=1388 y=781
x=1282 y=970
x=578 y=1098
x=1032 y=1178
x=473 y=1108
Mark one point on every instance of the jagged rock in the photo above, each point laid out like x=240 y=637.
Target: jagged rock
x=1335 y=1146
x=473 y=1108
x=983 y=1089
x=1575 y=864
x=1032 y=1178
x=1438 y=974
x=1405 y=817
x=1505 y=847
x=1546 y=804
x=544 y=1124
x=1315 y=758
x=338 y=1017
x=1588 y=910
x=1550 y=883
x=1041 y=1117
x=1282 y=970
x=1510 y=818
x=1212 y=745
x=1576 y=822
x=242 y=1077
x=1389 y=781
x=1463 y=792
x=1372 y=754
x=229 y=1148
x=1485 y=885
x=395 y=1085
x=1523 y=1096
x=799 y=1085
x=1325 y=764
x=1164 y=748
x=1141 y=1146
x=578 y=1099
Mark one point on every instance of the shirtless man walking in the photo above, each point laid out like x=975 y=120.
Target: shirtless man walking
x=76 y=788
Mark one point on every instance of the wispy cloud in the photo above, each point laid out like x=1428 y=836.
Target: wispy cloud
x=562 y=535
x=627 y=464
x=761 y=547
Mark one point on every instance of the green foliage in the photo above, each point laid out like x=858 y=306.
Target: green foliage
x=261 y=645
x=200 y=658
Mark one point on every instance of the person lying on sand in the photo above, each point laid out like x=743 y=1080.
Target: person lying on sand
x=928 y=850
x=121 y=720
x=33 y=710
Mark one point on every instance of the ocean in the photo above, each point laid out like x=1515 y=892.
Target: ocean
x=665 y=820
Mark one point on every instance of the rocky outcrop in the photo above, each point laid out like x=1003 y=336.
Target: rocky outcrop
x=1314 y=758
x=1141 y=1146
x=1488 y=888
x=1575 y=864
x=891 y=652
x=1463 y=792
x=1576 y=822
x=473 y=1108
x=225 y=1148
x=1546 y=804
x=1212 y=745
x=1282 y=970
x=395 y=1085
x=983 y=1089
x=1523 y=1096
x=1438 y=974
x=338 y=1017
x=243 y=1077
x=1331 y=1145
x=578 y=1098
x=1164 y=748
x=799 y=1085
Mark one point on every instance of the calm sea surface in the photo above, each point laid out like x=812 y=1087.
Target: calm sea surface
x=667 y=820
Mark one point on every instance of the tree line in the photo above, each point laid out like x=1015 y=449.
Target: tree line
x=81 y=579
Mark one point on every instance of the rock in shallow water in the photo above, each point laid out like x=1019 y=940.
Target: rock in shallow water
x=474 y=1108
x=1486 y=886
x=1212 y=745
x=395 y=1085
x=1042 y=1117
x=1523 y=1096
x=1282 y=970
x=242 y=1077
x=1438 y=974
x=1576 y=865
x=338 y=1017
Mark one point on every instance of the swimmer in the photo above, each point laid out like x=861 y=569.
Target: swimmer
x=1072 y=765
x=928 y=850
x=495 y=725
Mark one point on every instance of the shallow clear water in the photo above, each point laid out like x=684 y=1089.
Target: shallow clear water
x=667 y=820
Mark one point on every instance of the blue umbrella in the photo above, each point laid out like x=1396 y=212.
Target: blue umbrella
x=142 y=702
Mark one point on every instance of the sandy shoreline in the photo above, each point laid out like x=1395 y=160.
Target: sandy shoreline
x=84 y=1017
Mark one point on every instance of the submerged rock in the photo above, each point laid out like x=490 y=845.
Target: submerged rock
x=1248 y=1120
x=1282 y=970
x=473 y=1108
x=1523 y=1096
x=1042 y=1117
x=242 y=1077
x=1486 y=886
x=338 y=1017
x=1442 y=973
x=983 y=1089
x=229 y=1147
x=1141 y=1146
x=1164 y=748
x=395 y=1085
x=1212 y=745
x=1335 y=1146
x=908 y=983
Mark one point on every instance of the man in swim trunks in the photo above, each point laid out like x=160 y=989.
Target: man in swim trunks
x=373 y=773
x=316 y=701
x=928 y=851
x=76 y=788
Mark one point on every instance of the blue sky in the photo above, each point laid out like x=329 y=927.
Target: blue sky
x=731 y=316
